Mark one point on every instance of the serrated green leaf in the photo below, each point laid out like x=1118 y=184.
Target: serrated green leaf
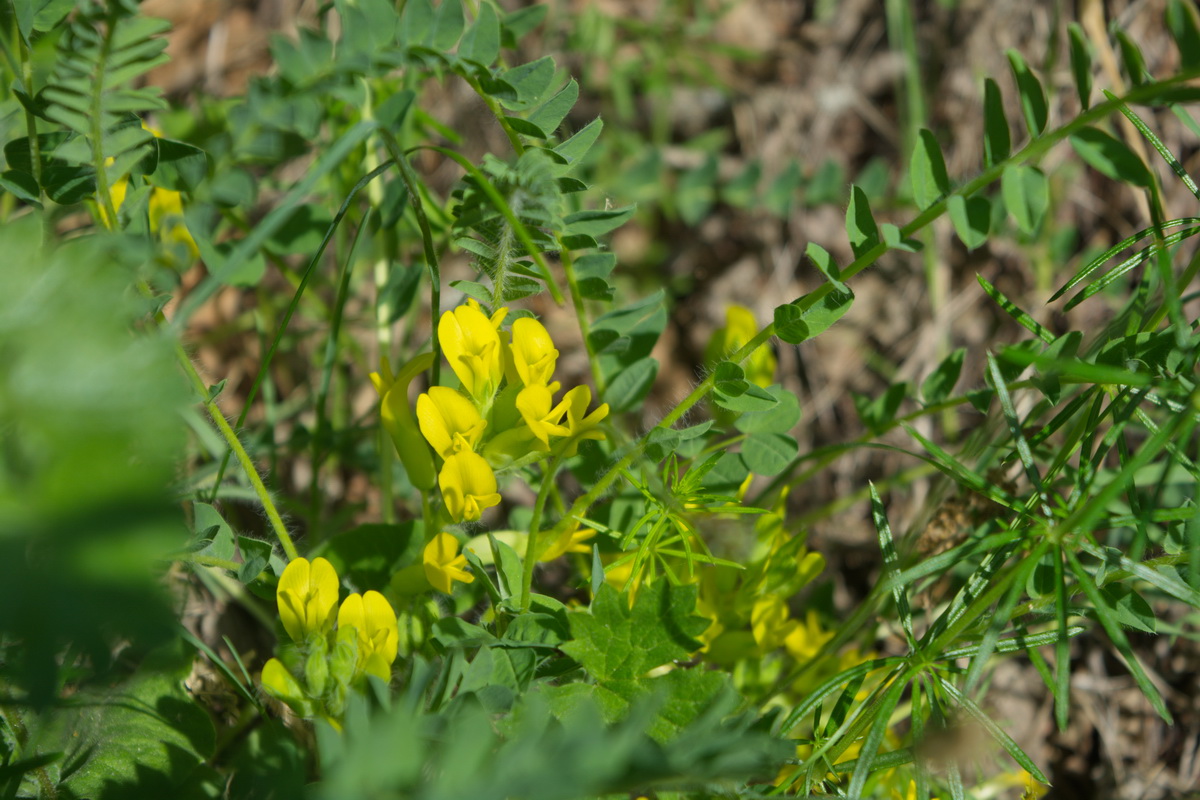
x=1026 y=195
x=1110 y=156
x=972 y=219
x=1081 y=64
x=927 y=171
x=615 y=642
x=1033 y=96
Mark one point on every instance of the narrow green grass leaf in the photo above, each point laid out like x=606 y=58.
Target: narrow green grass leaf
x=870 y=747
x=1081 y=64
x=927 y=171
x=997 y=139
x=1111 y=252
x=1013 y=644
x=1108 y=619
x=1017 y=433
x=1033 y=96
x=1181 y=21
x=1164 y=151
x=1129 y=264
x=996 y=732
x=1016 y=312
x=891 y=565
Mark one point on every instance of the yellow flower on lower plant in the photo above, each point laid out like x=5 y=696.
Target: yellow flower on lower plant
x=769 y=622
x=471 y=343
x=449 y=420
x=569 y=541
x=533 y=353
x=444 y=564
x=468 y=486
x=805 y=639
x=580 y=425
x=534 y=402
x=373 y=618
x=307 y=595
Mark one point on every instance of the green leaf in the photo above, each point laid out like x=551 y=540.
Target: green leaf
x=481 y=43
x=598 y=223
x=730 y=379
x=754 y=398
x=416 y=21
x=1081 y=64
x=631 y=385
x=575 y=148
x=997 y=140
x=878 y=413
x=1130 y=608
x=1110 y=156
x=696 y=191
x=615 y=642
x=860 y=224
x=370 y=553
x=940 y=383
x=256 y=555
x=799 y=324
x=221 y=544
x=447 y=25
x=972 y=218
x=181 y=166
x=1006 y=741
x=520 y=22
x=146 y=737
x=827 y=266
x=1026 y=195
x=530 y=82
x=742 y=190
x=769 y=453
x=1181 y=21
x=781 y=194
x=1135 y=62
x=1033 y=96
x=40 y=15
x=789 y=324
x=928 y=171
x=22 y=185
x=780 y=418
x=550 y=114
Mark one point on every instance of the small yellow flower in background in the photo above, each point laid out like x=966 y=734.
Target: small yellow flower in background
x=373 y=618
x=534 y=402
x=471 y=344
x=307 y=595
x=579 y=426
x=449 y=420
x=769 y=622
x=398 y=421
x=166 y=219
x=569 y=541
x=532 y=352
x=805 y=640
x=444 y=564
x=740 y=327
x=468 y=486
x=911 y=794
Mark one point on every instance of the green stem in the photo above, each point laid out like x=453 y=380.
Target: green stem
x=568 y=264
x=235 y=446
x=535 y=523
x=35 y=146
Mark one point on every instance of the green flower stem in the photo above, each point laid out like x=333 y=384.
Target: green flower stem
x=235 y=446
x=531 y=544
x=35 y=147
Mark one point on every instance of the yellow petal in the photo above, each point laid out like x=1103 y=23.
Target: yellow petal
x=381 y=622
x=471 y=345
x=449 y=421
x=534 y=402
x=468 y=486
x=533 y=352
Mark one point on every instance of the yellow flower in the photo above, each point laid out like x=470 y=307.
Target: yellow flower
x=533 y=352
x=579 y=426
x=805 y=640
x=534 y=403
x=769 y=622
x=166 y=219
x=471 y=342
x=444 y=564
x=449 y=420
x=740 y=327
x=307 y=594
x=569 y=541
x=468 y=486
x=378 y=638
x=397 y=418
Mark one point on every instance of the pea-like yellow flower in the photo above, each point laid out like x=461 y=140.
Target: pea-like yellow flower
x=534 y=402
x=805 y=639
x=373 y=618
x=449 y=421
x=397 y=418
x=444 y=564
x=468 y=486
x=307 y=594
x=581 y=426
x=569 y=541
x=769 y=622
x=471 y=342
x=532 y=352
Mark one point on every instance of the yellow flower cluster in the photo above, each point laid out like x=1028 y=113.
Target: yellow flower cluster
x=326 y=660
x=503 y=416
